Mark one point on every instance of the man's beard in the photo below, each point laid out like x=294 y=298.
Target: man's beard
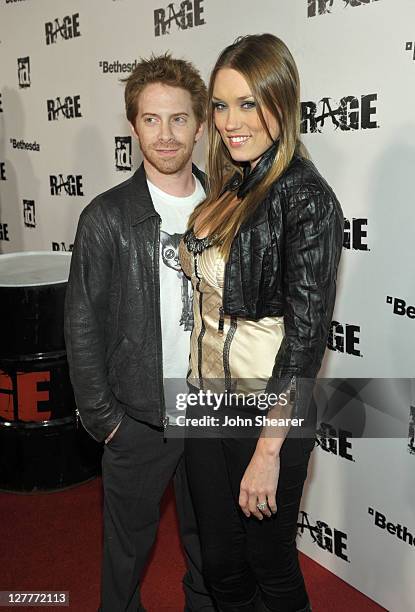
x=167 y=165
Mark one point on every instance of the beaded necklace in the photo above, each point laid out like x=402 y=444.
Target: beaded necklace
x=198 y=245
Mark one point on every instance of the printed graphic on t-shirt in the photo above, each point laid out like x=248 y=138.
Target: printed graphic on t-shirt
x=170 y=257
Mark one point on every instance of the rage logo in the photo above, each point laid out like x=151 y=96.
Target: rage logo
x=327 y=538
x=348 y=115
x=69 y=108
x=334 y=441
x=319 y=7
x=4 y=231
x=68 y=28
x=187 y=15
x=355 y=234
x=32 y=390
x=61 y=246
x=344 y=338
x=322 y=7
x=70 y=185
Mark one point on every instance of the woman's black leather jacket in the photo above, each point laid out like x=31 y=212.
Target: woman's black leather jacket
x=284 y=261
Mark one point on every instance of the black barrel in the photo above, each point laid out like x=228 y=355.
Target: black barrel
x=41 y=446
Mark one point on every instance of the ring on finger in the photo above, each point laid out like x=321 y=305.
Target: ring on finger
x=262 y=506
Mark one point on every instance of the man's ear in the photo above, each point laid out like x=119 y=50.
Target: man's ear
x=133 y=130
x=200 y=131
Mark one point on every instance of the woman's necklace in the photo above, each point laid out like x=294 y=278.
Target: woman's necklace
x=197 y=245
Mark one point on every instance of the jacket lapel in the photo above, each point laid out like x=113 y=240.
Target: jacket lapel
x=140 y=203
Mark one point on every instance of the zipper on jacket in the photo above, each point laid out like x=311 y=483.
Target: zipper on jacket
x=164 y=419
x=221 y=324
x=78 y=420
x=293 y=389
x=226 y=350
x=202 y=327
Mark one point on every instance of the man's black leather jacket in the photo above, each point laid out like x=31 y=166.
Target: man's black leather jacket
x=283 y=261
x=112 y=309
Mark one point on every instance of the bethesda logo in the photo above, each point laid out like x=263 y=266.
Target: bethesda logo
x=400 y=307
x=401 y=532
x=26 y=146
x=117 y=67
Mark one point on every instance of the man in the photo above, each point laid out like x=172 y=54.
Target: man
x=127 y=326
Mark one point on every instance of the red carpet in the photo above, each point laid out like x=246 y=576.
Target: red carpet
x=53 y=542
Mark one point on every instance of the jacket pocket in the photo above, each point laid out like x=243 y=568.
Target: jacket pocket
x=118 y=434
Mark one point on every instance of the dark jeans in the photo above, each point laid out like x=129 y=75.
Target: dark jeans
x=243 y=556
x=137 y=466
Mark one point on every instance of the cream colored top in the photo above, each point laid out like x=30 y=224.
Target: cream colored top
x=239 y=358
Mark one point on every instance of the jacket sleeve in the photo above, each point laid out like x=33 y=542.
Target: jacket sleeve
x=312 y=249
x=86 y=306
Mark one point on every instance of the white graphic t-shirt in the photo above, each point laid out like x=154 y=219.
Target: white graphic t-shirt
x=175 y=290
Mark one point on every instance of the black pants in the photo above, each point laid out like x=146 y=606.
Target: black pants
x=137 y=466
x=244 y=556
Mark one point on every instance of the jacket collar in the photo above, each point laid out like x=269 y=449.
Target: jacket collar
x=140 y=204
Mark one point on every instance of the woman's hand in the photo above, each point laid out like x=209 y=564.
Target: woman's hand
x=259 y=483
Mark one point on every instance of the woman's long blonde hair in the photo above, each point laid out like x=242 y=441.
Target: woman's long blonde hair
x=271 y=73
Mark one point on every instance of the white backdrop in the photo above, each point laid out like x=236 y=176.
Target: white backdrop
x=356 y=60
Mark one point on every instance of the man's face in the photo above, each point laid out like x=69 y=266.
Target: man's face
x=166 y=127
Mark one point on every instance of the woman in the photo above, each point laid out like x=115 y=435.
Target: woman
x=262 y=252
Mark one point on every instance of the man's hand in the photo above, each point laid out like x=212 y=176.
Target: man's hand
x=112 y=434
x=259 y=484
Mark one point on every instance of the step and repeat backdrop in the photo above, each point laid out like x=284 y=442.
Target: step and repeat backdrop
x=64 y=138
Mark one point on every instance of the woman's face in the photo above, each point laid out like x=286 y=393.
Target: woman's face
x=237 y=120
